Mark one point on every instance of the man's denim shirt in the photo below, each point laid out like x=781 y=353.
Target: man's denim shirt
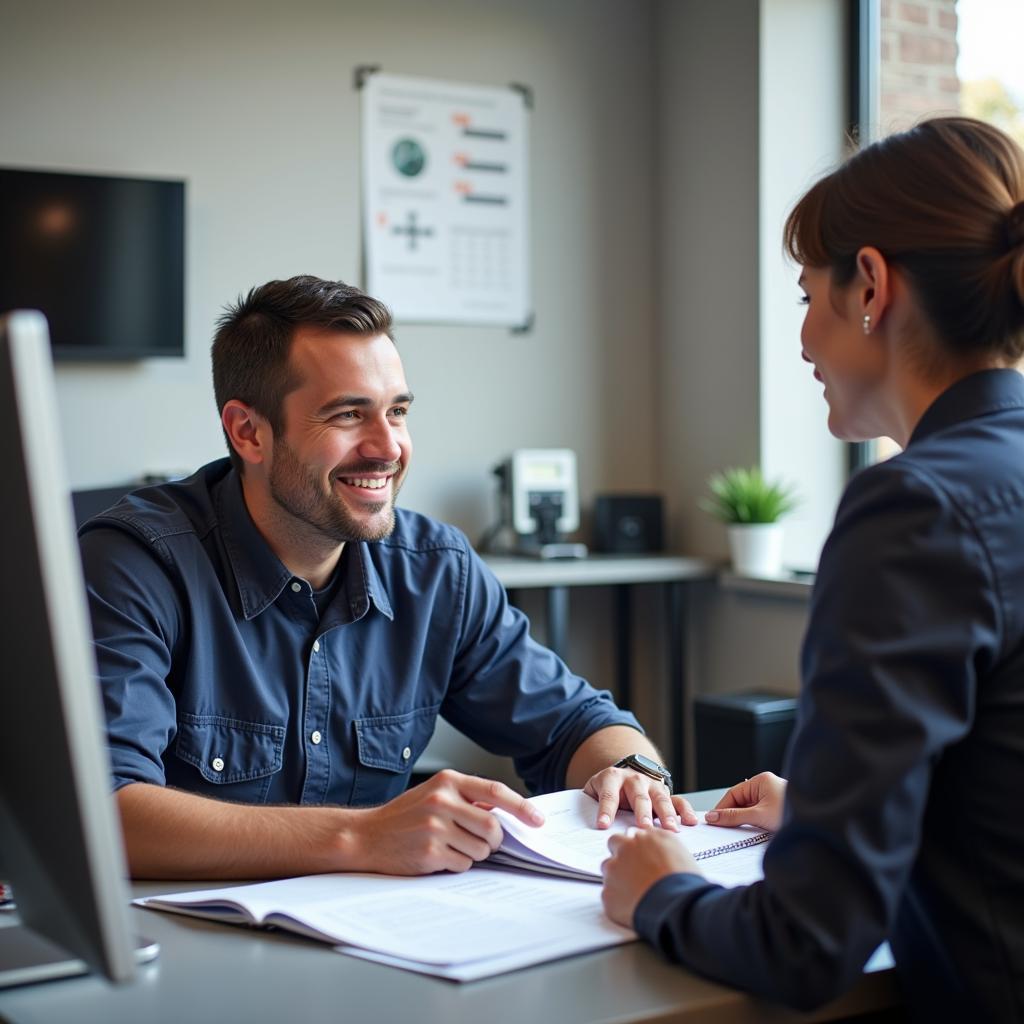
x=219 y=676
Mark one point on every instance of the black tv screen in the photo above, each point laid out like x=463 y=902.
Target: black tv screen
x=103 y=258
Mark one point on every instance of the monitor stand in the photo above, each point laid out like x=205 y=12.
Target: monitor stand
x=27 y=957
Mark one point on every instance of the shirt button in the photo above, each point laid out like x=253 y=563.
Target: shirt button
x=316 y=737
x=316 y=646
x=296 y=586
x=406 y=754
x=217 y=764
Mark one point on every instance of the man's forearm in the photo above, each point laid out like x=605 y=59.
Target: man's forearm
x=173 y=834
x=604 y=748
x=442 y=824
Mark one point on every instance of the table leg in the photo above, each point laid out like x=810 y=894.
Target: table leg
x=624 y=646
x=557 y=599
x=679 y=697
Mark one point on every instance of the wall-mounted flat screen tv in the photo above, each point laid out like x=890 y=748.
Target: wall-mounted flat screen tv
x=102 y=257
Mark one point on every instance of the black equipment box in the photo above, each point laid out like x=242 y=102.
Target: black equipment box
x=741 y=734
x=628 y=523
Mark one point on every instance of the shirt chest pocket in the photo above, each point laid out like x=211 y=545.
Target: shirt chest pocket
x=225 y=757
x=387 y=748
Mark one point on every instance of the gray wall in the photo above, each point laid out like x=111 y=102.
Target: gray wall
x=707 y=266
x=646 y=170
x=253 y=104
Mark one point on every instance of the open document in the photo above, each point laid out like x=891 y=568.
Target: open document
x=486 y=921
x=467 y=926
x=569 y=845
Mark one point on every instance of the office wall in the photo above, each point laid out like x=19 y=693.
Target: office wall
x=646 y=179
x=253 y=103
x=707 y=255
x=750 y=99
x=802 y=98
x=751 y=107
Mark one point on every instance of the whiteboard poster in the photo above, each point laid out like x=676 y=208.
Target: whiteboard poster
x=445 y=203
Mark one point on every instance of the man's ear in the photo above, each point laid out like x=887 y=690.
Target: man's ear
x=872 y=287
x=249 y=433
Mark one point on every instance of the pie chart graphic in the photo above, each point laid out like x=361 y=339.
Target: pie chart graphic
x=408 y=157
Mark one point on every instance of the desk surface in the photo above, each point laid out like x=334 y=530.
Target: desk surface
x=217 y=973
x=598 y=570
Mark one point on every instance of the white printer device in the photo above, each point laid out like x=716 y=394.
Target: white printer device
x=539 y=505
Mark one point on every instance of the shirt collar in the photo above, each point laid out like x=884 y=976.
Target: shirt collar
x=979 y=394
x=260 y=575
x=363 y=582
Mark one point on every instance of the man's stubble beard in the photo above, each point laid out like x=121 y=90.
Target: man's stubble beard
x=298 y=491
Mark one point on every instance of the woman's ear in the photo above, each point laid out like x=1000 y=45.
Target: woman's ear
x=872 y=288
x=248 y=432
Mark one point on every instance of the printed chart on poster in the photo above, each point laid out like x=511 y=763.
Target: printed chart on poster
x=445 y=200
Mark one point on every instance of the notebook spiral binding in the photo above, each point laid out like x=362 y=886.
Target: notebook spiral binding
x=739 y=844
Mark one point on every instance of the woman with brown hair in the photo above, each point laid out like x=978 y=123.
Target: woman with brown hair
x=902 y=818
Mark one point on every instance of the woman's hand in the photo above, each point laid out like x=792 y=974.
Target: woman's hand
x=757 y=801
x=638 y=860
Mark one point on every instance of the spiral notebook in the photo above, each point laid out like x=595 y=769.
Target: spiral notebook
x=569 y=845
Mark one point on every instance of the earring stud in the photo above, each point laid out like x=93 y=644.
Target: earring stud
x=867 y=323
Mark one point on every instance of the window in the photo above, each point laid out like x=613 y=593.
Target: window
x=930 y=57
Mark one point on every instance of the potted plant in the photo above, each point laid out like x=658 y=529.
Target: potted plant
x=751 y=508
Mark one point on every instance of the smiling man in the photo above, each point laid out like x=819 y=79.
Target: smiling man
x=275 y=640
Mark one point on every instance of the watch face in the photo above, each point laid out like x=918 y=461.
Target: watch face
x=651 y=766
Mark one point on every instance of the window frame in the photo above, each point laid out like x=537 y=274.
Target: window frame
x=865 y=64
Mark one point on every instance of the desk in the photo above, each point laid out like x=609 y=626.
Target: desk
x=674 y=572
x=211 y=973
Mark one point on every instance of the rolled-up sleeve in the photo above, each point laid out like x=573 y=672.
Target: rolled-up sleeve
x=890 y=663
x=515 y=697
x=136 y=620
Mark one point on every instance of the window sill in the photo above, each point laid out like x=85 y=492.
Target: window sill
x=787 y=587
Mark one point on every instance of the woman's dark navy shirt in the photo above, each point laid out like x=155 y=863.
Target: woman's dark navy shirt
x=220 y=676
x=904 y=818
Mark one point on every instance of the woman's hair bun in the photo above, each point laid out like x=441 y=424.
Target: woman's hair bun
x=1015 y=225
x=1015 y=238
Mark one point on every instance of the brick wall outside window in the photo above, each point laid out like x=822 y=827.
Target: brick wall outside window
x=918 y=68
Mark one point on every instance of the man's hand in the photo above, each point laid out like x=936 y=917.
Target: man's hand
x=615 y=788
x=444 y=824
x=757 y=801
x=638 y=860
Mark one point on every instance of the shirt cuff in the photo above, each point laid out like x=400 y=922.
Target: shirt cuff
x=664 y=901
x=128 y=767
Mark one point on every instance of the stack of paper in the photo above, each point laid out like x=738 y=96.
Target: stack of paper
x=473 y=925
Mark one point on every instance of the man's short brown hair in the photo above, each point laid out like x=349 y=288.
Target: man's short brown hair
x=254 y=337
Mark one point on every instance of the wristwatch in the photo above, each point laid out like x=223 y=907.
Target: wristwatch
x=646 y=766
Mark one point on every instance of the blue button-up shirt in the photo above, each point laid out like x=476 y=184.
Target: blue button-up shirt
x=220 y=676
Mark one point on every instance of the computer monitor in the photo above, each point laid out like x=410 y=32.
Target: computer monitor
x=60 y=841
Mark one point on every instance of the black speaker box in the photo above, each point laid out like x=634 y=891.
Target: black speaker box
x=628 y=523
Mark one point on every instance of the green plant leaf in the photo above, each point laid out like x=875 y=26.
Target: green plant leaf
x=741 y=495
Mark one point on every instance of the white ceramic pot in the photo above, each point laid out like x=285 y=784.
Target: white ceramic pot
x=756 y=548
